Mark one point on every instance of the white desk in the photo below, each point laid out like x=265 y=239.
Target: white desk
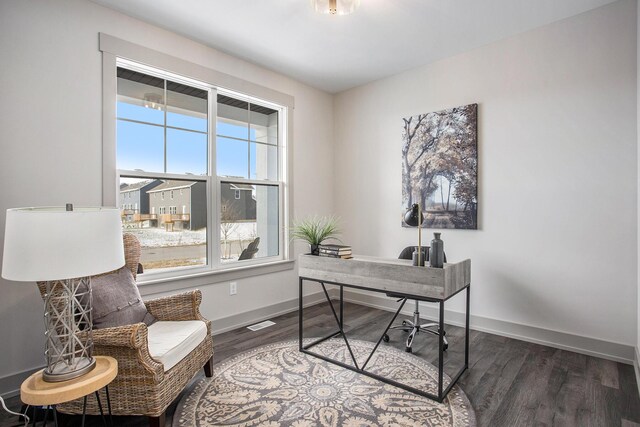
x=397 y=279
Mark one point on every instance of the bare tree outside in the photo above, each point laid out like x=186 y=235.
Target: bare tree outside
x=440 y=166
x=229 y=218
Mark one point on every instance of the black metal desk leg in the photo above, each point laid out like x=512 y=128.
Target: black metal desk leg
x=440 y=350
x=341 y=307
x=106 y=390
x=300 y=314
x=466 y=338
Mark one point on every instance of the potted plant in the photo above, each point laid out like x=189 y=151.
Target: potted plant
x=315 y=230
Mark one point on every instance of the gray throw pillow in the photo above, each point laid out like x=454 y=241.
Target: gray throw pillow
x=117 y=301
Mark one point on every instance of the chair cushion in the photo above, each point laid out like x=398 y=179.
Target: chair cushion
x=117 y=301
x=172 y=341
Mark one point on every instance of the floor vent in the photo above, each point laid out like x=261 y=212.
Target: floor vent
x=261 y=325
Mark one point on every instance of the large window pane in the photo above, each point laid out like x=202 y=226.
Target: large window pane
x=140 y=146
x=169 y=218
x=249 y=225
x=163 y=128
x=232 y=158
x=264 y=161
x=186 y=152
x=186 y=107
x=263 y=125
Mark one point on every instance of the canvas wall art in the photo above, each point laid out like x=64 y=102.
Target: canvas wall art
x=440 y=167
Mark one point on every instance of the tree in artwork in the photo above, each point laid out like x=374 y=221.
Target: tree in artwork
x=440 y=166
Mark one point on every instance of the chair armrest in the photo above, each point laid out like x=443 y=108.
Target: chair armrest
x=131 y=336
x=128 y=343
x=184 y=306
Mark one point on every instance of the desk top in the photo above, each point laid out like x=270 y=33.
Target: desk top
x=388 y=275
x=36 y=391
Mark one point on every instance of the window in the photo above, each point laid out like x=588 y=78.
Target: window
x=223 y=151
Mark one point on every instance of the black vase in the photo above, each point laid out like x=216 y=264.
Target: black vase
x=436 y=252
x=315 y=249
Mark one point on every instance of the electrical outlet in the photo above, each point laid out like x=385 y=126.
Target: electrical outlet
x=233 y=288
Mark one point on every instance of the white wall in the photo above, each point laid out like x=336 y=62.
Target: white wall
x=638 y=136
x=51 y=142
x=556 y=248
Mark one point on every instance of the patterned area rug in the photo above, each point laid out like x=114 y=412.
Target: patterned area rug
x=277 y=386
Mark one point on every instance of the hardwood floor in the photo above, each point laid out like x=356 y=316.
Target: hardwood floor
x=509 y=383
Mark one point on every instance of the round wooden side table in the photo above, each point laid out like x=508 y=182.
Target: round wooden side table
x=37 y=392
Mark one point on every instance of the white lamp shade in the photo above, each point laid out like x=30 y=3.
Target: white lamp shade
x=54 y=244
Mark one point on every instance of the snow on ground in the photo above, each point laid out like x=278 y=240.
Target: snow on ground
x=159 y=237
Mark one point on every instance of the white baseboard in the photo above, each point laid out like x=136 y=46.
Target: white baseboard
x=636 y=367
x=590 y=346
x=10 y=384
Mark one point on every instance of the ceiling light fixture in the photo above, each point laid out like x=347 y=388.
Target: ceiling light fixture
x=335 y=7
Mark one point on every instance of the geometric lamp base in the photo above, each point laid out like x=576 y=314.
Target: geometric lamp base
x=62 y=371
x=69 y=337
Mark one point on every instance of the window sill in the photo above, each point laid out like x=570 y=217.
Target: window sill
x=169 y=284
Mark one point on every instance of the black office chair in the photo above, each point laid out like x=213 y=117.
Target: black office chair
x=250 y=251
x=415 y=326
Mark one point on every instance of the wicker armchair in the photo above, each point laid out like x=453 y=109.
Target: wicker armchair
x=142 y=386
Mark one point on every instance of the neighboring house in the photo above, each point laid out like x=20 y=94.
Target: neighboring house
x=238 y=202
x=179 y=204
x=134 y=198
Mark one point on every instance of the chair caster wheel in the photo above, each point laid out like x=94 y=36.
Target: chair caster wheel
x=404 y=323
x=445 y=347
x=385 y=338
x=408 y=350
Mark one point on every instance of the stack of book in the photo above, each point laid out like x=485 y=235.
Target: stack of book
x=335 y=251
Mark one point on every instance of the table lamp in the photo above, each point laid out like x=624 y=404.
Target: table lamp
x=63 y=247
x=413 y=218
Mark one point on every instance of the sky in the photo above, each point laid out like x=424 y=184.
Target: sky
x=141 y=146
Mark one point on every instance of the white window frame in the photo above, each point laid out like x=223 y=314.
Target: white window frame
x=117 y=53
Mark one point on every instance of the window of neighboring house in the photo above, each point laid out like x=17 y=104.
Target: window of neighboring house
x=169 y=130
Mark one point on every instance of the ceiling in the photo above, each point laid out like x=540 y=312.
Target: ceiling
x=335 y=53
